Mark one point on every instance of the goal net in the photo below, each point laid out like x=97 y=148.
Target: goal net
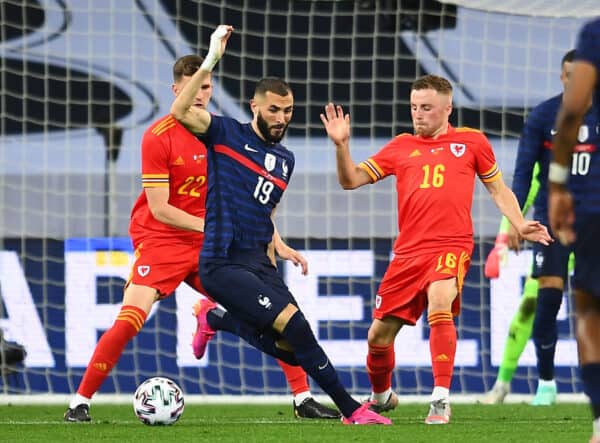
x=82 y=79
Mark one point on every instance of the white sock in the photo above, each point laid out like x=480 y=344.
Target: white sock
x=299 y=398
x=596 y=427
x=381 y=397
x=79 y=399
x=440 y=393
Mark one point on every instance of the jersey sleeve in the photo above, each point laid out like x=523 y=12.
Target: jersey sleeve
x=532 y=138
x=216 y=130
x=486 y=166
x=155 y=161
x=381 y=164
x=291 y=165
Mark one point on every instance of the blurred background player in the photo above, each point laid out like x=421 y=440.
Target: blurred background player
x=550 y=263
x=521 y=325
x=169 y=216
x=435 y=173
x=249 y=170
x=519 y=330
x=574 y=211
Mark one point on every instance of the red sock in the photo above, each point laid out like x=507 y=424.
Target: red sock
x=296 y=378
x=380 y=364
x=110 y=347
x=442 y=345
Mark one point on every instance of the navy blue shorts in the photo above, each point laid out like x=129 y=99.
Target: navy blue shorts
x=587 y=254
x=551 y=260
x=247 y=285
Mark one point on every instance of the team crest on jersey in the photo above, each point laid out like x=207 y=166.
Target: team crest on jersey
x=270 y=161
x=378 y=301
x=583 y=134
x=143 y=270
x=458 y=149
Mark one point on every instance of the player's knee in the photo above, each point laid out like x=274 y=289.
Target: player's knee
x=441 y=294
x=379 y=336
x=142 y=297
x=297 y=332
x=282 y=320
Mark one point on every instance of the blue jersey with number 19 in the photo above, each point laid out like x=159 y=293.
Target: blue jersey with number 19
x=246 y=179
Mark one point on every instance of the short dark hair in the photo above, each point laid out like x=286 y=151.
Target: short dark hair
x=272 y=84
x=186 y=65
x=568 y=57
x=435 y=82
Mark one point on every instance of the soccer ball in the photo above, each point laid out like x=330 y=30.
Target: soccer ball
x=158 y=401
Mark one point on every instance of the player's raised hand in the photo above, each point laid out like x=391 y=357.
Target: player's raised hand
x=561 y=214
x=336 y=123
x=534 y=231
x=218 y=43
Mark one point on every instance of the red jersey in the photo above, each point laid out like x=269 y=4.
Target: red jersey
x=434 y=181
x=171 y=157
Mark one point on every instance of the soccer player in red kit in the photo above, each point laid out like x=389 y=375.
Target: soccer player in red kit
x=166 y=229
x=435 y=171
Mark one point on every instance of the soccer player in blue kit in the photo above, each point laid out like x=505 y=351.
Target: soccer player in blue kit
x=574 y=205
x=249 y=170
x=550 y=264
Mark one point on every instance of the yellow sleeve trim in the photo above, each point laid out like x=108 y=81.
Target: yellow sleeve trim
x=155 y=185
x=368 y=170
x=492 y=178
x=155 y=176
x=373 y=169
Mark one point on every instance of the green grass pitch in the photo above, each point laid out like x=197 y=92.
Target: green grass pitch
x=275 y=423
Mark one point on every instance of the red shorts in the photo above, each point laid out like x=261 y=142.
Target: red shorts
x=163 y=264
x=403 y=290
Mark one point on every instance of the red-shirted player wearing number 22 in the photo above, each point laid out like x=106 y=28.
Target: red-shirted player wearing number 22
x=435 y=171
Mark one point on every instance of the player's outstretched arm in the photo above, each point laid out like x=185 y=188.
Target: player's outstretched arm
x=194 y=118
x=506 y=201
x=337 y=125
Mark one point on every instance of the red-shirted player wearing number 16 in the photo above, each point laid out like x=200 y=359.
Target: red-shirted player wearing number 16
x=435 y=173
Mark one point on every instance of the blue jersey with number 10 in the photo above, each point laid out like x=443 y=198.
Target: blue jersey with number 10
x=246 y=179
x=585 y=170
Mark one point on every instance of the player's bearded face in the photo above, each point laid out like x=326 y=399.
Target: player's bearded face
x=272 y=116
x=272 y=133
x=430 y=111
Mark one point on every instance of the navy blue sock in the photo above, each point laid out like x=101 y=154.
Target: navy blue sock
x=264 y=341
x=545 y=331
x=315 y=362
x=590 y=376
